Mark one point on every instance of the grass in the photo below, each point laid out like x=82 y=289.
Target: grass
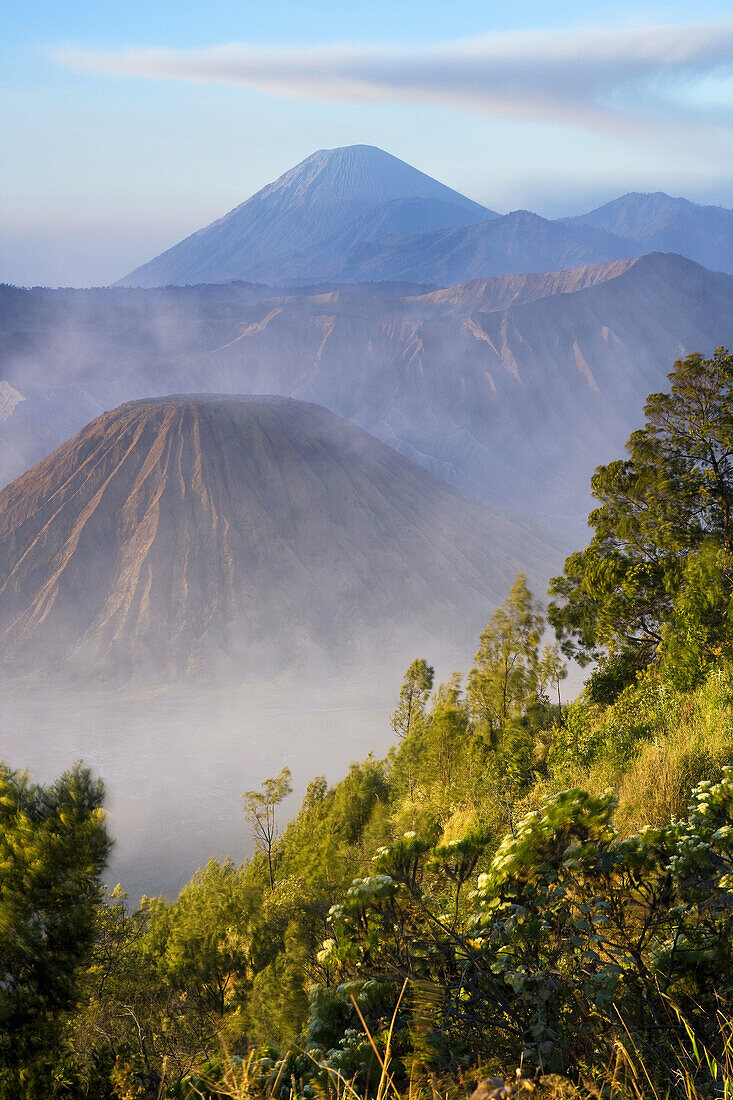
x=698 y=1075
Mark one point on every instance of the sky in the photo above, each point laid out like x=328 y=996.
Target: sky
x=125 y=127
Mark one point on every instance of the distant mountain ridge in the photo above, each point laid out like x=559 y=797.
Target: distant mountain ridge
x=358 y=214
x=660 y=223
x=251 y=534
x=517 y=243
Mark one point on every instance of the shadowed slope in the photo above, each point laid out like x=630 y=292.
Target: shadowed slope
x=660 y=223
x=516 y=243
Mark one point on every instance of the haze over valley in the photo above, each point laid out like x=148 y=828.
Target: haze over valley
x=511 y=388
x=242 y=488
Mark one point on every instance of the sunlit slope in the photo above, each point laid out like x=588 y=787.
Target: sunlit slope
x=245 y=535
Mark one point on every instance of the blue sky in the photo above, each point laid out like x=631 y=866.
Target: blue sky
x=126 y=126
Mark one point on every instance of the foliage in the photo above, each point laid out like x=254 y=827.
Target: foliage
x=569 y=926
x=660 y=559
x=259 y=809
x=414 y=694
x=53 y=847
x=521 y=951
x=504 y=680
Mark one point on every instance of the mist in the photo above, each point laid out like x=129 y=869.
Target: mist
x=197 y=591
x=175 y=760
x=512 y=388
x=488 y=386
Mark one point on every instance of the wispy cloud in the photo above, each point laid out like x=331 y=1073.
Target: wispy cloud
x=603 y=80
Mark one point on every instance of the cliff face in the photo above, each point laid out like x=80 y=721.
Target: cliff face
x=246 y=534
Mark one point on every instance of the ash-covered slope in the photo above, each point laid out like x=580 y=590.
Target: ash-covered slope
x=498 y=292
x=247 y=535
x=302 y=226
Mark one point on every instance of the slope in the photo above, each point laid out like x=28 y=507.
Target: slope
x=660 y=223
x=520 y=242
x=512 y=388
x=293 y=228
x=240 y=535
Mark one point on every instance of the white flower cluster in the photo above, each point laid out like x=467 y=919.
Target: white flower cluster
x=327 y=950
x=374 y=886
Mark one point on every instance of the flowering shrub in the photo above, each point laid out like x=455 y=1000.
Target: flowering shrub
x=569 y=928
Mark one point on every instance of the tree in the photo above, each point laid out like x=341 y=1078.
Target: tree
x=259 y=809
x=416 y=687
x=669 y=499
x=408 y=720
x=551 y=671
x=504 y=679
x=53 y=848
x=447 y=742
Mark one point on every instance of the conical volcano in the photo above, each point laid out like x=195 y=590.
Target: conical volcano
x=302 y=226
x=248 y=534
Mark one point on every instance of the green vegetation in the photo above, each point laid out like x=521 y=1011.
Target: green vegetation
x=654 y=585
x=522 y=889
x=53 y=847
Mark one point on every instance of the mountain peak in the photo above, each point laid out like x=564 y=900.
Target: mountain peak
x=298 y=227
x=636 y=214
x=357 y=175
x=658 y=222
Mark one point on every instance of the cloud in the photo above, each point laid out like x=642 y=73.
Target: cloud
x=626 y=80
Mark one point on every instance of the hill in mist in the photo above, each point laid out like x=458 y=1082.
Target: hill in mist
x=517 y=243
x=242 y=535
x=660 y=223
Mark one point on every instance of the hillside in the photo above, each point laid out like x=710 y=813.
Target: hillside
x=241 y=535
x=512 y=388
x=517 y=243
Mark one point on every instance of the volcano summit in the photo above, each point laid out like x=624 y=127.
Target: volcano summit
x=302 y=226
